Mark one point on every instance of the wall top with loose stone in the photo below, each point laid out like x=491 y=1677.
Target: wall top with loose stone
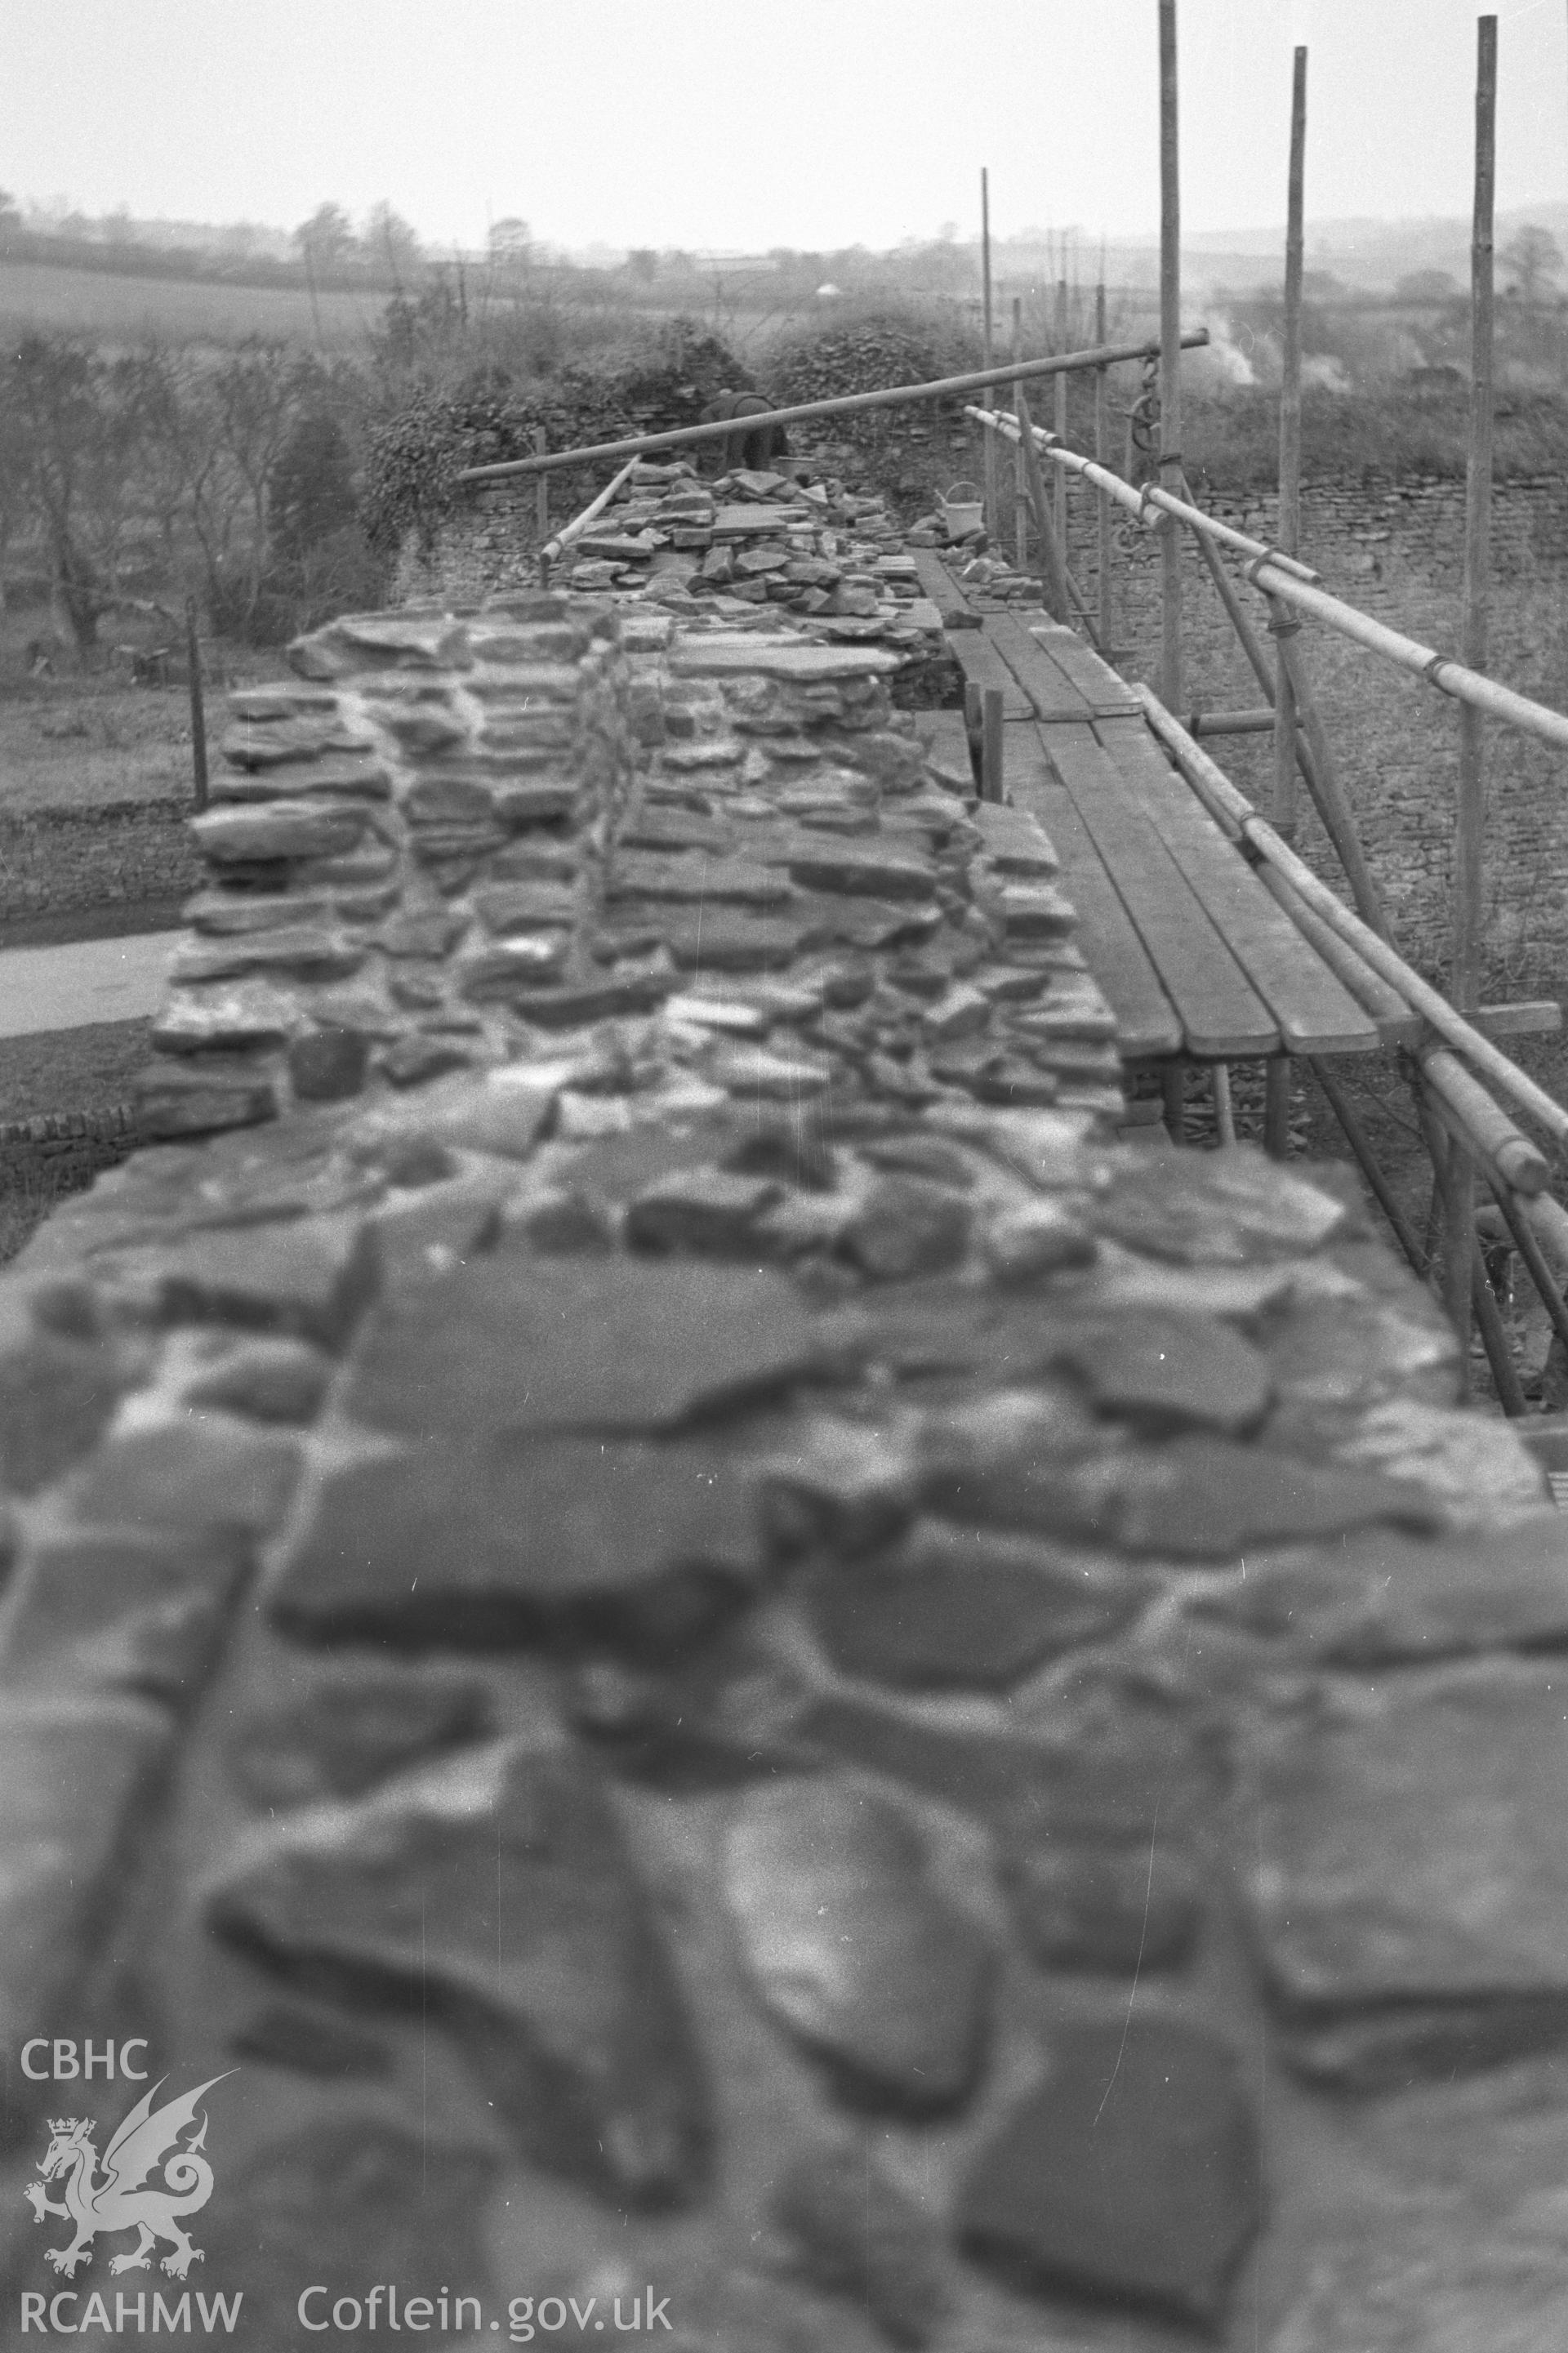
x=651 y=1582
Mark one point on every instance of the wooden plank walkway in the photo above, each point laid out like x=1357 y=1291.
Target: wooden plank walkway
x=1196 y=956
x=1148 y=1025
x=1221 y=1014
x=1315 y=1012
x=937 y=582
x=981 y=660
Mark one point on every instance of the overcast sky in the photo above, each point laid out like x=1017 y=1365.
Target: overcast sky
x=739 y=125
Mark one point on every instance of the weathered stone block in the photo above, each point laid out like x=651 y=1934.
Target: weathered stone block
x=380 y=641
x=328 y=1065
x=1131 y=2176
x=574 y=2024
x=208 y=1473
x=519 y=1345
x=852 y=1946
x=353 y=1731
x=282 y=831
x=528 y=1539
x=118 y=1613
x=1410 y=1897
x=202 y=1098
x=309 y=1276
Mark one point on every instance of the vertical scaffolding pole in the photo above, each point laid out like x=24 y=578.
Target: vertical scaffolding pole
x=1276 y=1080
x=990 y=439
x=1471 y=812
x=541 y=491
x=1102 y=457
x=1290 y=518
x=1170 y=360
x=993 y=745
x=198 y=707
x=1020 y=490
x=1059 y=422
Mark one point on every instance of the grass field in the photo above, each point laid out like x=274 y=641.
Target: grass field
x=115 y=309
x=83 y=1070
x=86 y=1069
x=80 y=739
x=72 y=743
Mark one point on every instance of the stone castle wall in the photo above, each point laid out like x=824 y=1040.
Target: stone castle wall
x=677 y=1642
x=1396 y=551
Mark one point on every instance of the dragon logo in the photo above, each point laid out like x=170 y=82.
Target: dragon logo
x=125 y=2198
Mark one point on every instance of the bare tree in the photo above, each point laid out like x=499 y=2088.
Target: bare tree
x=188 y=488
x=327 y=239
x=1532 y=257
x=256 y=390
x=58 y=388
x=388 y=239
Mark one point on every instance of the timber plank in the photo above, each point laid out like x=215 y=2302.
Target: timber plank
x=1315 y=1011
x=983 y=666
x=1090 y=672
x=937 y=582
x=1534 y=1015
x=1052 y=694
x=1221 y=1013
x=1146 y=1021
x=1397 y=1024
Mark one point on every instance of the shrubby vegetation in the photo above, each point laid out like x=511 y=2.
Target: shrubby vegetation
x=276 y=483
x=134 y=478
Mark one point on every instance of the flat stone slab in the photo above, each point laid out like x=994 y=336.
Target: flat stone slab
x=1130 y=2178
x=1410 y=1896
x=1229 y=1209
x=1196 y=1498
x=523 y=1345
x=852 y=1946
x=1084 y=1898
x=1165 y=1373
x=113 y=1612
x=950 y=1607
x=1385 y=1599
x=796 y=660
x=735 y=881
x=76 y=1770
x=354 y=1730
x=493 y=1889
x=523 y=1540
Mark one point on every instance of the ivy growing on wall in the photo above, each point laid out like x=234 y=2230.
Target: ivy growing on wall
x=417 y=454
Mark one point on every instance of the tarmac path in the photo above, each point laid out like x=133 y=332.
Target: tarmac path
x=88 y=980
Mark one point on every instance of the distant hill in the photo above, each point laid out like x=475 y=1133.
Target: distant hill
x=1370 y=256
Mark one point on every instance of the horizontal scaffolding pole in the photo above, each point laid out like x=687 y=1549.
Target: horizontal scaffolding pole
x=842 y=404
x=1483 y=1126
x=1232 y=722
x=1216 y=790
x=1441 y=670
x=1296 y=585
x=1140 y=502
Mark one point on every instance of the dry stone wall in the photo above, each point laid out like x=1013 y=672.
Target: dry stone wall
x=795 y=540
x=699 y=1667
x=123 y=853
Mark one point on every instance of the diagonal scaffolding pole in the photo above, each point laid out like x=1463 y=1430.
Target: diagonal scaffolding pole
x=843 y=403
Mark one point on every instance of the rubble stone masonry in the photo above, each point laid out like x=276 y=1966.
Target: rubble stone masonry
x=718 y=1674
x=1397 y=550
